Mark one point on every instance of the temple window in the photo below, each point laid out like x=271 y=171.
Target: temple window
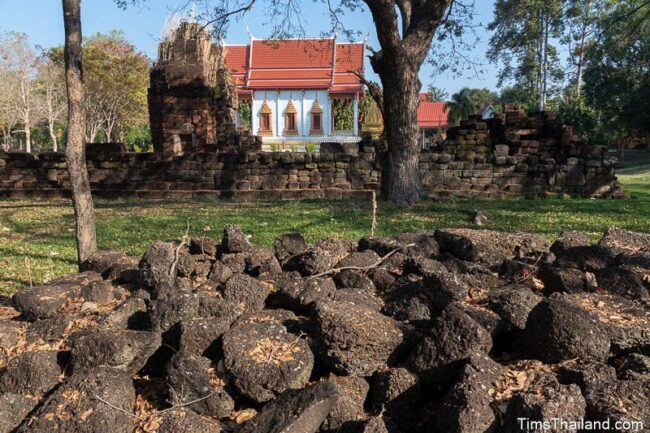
x=290 y=124
x=266 y=127
x=316 y=119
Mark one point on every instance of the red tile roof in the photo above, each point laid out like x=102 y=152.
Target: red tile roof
x=431 y=114
x=296 y=64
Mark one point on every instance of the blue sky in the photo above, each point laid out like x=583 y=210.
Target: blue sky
x=42 y=21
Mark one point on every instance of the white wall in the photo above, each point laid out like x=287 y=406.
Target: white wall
x=302 y=101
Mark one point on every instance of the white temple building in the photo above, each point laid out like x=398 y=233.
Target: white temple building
x=292 y=86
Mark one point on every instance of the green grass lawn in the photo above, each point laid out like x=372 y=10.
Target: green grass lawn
x=37 y=238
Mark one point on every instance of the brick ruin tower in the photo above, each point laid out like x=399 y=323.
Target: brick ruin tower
x=192 y=99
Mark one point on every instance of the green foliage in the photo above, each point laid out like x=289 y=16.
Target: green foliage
x=137 y=137
x=310 y=147
x=519 y=94
x=438 y=94
x=275 y=147
x=293 y=148
x=573 y=110
x=246 y=115
x=343 y=115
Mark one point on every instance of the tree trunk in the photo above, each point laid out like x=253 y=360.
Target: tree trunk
x=401 y=180
x=75 y=151
x=28 y=135
x=53 y=140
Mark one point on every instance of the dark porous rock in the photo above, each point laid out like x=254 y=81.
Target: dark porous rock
x=546 y=400
x=360 y=259
x=246 y=291
x=423 y=266
x=42 y=302
x=80 y=405
x=375 y=424
x=454 y=338
x=353 y=279
x=409 y=300
x=156 y=265
x=381 y=278
x=623 y=401
x=289 y=245
x=565 y=244
x=379 y=245
x=348 y=407
x=202 y=268
x=100 y=293
x=626 y=281
x=626 y=322
x=186 y=264
x=467 y=406
x=445 y=287
x=302 y=410
x=124 y=350
x=236 y=262
x=263 y=360
x=396 y=393
x=204 y=246
x=51 y=329
x=487 y=246
x=311 y=262
x=186 y=421
x=234 y=240
x=191 y=377
x=618 y=241
x=589 y=376
x=130 y=314
x=513 y=305
x=261 y=262
x=199 y=335
x=557 y=330
x=14 y=408
x=297 y=294
x=359 y=297
x=354 y=339
x=634 y=366
x=31 y=373
x=112 y=265
x=171 y=308
x=573 y=250
x=566 y=280
x=220 y=272
x=419 y=244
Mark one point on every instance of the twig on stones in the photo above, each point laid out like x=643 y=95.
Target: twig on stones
x=184 y=241
x=189 y=403
x=112 y=406
x=362 y=268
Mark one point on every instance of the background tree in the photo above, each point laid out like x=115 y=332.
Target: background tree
x=438 y=94
x=461 y=106
x=75 y=149
x=52 y=94
x=522 y=43
x=18 y=60
x=116 y=83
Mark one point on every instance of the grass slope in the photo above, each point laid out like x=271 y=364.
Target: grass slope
x=37 y=238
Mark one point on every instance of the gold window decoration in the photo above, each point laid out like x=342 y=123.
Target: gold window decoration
x=290 y=119
x=316 y=119
x=266 y=120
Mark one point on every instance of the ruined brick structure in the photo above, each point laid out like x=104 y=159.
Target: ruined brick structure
x=511 y=156
x=192 y=99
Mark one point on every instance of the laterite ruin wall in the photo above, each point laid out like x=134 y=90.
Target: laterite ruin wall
x=510 y=156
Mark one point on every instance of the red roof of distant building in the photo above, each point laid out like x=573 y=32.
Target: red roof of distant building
x=296 y=64
x=431 y=114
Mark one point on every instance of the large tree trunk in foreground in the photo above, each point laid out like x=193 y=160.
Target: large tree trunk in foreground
x=75 y=151
x=400 y=176
x=398 y=64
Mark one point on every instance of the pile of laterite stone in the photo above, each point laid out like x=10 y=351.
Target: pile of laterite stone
x=457 y=331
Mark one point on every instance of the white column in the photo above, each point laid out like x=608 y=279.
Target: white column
x=303 y=119
x=277 y=114
x=356 y=115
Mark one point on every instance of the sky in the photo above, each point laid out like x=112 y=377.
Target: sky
x=42 y=21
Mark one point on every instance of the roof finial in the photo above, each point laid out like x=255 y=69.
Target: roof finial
x=248 y=30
